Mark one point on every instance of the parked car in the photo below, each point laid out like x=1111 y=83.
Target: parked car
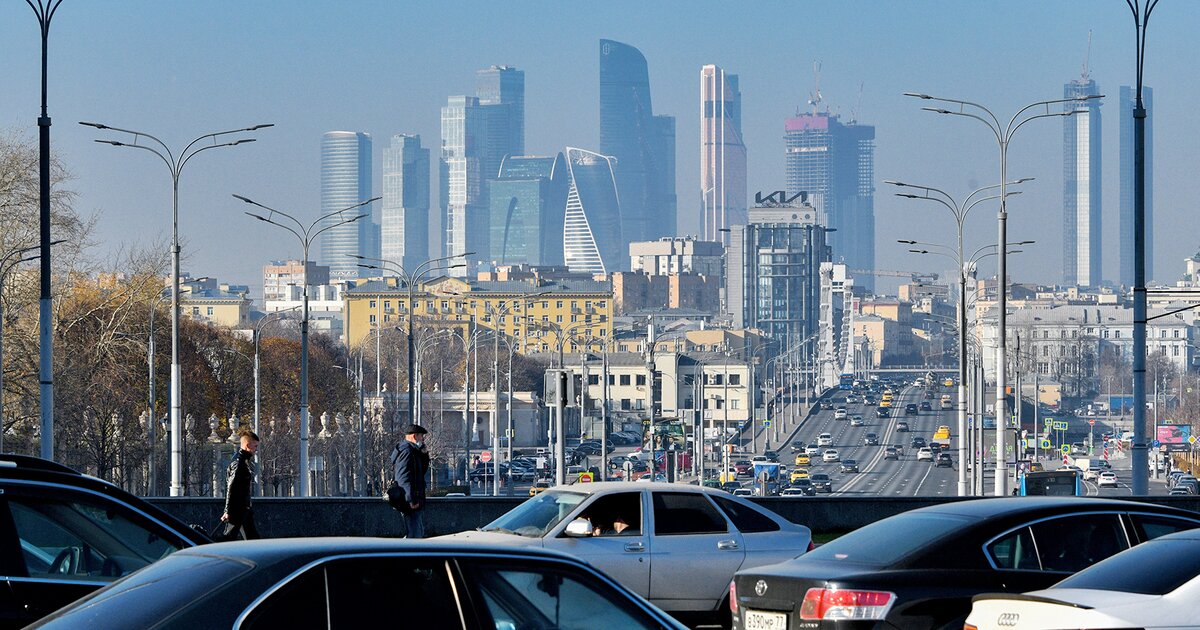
x=1152 y=585
x=925 y=454
x=849 y=466
x=342 y=582
x=677 y=529
x=821 y=482
x=920 y=569
x=67 y=534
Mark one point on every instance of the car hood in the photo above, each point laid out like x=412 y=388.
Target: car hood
x=494 y=538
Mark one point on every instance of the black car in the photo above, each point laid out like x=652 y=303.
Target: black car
x=883 y=412
x=349 y=582
x=911 y=409
x=920 y=569
x=901 y=426
x=803 y=487
x=849 y=466
x=798 y=446
x=821 y=482
x=943 y=460
x=926 y=406
x=67 y=534
x=917 y=442
x=871 y=439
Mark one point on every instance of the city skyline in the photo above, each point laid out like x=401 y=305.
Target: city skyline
x=561 y=104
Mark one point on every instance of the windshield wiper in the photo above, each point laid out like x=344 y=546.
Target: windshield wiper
x=502 y=530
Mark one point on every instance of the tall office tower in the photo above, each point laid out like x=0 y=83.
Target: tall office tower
x=528 y=199
x=404 y=222
x=345 y=181
x=592 y=237
x=504 y=85
x=835 y=164
x=722 y=154
x=1128 y=101
x=1081 y=186
x=642 y=143
x=463 y=196
x=772 y=279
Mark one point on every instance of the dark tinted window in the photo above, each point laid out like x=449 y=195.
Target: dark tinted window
x=686 y=513
x=1154 y=568
x=357 y=588
x=1015 y=551
x=886 y=541
x=747 y=519
x=1150 y=527
x=1073 y=543
x=300 y=603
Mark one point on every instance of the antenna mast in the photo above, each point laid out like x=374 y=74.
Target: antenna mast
x=1086 y=58
x=814 y=98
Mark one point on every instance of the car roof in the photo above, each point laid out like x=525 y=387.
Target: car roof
x=267 y=551
x=995 y=507
x=598 y=487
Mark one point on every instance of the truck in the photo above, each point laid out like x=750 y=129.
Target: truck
x=941 y=439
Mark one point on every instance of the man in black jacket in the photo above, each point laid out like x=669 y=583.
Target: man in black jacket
x=411 y=460
x=238 y=516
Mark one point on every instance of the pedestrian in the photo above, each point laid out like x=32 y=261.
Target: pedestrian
x=239 y=513
x=411 y=461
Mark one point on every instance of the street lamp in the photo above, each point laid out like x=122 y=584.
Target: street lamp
x=175 y=164
x=306 y=236
x=1003 y=135
x=7 y=265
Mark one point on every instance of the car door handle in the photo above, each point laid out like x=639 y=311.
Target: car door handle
x=727 y=545
x=635 y=547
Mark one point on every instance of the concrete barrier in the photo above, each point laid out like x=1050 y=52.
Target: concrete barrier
x=369 y=516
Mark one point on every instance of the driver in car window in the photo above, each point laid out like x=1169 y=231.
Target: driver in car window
x=619 y=527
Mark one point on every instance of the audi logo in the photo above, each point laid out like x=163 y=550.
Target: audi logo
x=1008 y=620
x=760 y=588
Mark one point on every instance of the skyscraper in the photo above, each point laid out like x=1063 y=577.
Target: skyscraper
x=1081 y=186
x=345 y=181
x=722 y=154
x=1128 y=101
x=835 y=164
x=592 y=237
x=528 y=199
x=642 y=143
x=404 y=221
x=504 y=85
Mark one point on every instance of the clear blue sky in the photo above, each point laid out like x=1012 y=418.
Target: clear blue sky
x=179 y=69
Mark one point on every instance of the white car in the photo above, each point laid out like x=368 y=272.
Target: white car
x=1153 y=585
x=856 y=420
x=812 y=449
x=839 y=413
x=743 y=492
x=825 y=439
x=830 y=455
x=924 y=454
x=1107 y=478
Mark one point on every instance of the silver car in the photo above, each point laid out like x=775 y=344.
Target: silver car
x=676 y=545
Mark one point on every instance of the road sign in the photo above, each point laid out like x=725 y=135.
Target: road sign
x=1060 y=425
x=1191 y=439
x=1066 y=449
x=1156 y=444
x=1049 y=421
x=585 y=477
x=485 y=456
x=766 y=424
x=1092 y=421
x=1045 y=443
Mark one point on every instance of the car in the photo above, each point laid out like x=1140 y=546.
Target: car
x=883 y=412
x=849 y=466
x=830 y=455
x=798 y=474
x=674 y=530
x=539 y=487
x=839 y=413
x=825 y=439
x=868 y=400
x=926 y=406
x=856 y=420
x=291 y=583
x=743 y=492
x=821 y=482
x=890 y=453
x=899 y=449
x=802 y=459
x=812 y=449
x=70 y=534
x=730 y=486
x=911 y=409
x=796 y=491
x=901 y=426
x=924 y=454
x=1151 y=585
x=943 y=461
x=871 y=439
x=851 y=399
x=920 y=568
x=916 y=442
x=1107 y=478
x=1188 y=483
x=1179 y=492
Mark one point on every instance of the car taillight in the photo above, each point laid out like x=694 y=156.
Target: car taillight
x=733 y=596
x=832 y=603
x=811 y=545
x=967 y=626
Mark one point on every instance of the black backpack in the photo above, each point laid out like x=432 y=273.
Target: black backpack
x=394 y=494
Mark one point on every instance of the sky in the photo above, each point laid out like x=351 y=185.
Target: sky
x=179 y=70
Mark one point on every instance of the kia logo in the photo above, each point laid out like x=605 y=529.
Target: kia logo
x=1008 y=620
x=760 y=588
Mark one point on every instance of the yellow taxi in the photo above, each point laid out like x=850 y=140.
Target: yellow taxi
x=949 y=382
x=803 y=460
x=798 y=474
x=539 y=487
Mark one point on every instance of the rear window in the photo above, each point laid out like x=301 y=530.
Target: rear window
x=884 y=542
x=1156 y=567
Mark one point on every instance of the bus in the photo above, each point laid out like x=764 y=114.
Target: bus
x=846 y=381
x=1055 y=483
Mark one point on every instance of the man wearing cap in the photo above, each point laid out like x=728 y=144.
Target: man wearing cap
x=411 y=465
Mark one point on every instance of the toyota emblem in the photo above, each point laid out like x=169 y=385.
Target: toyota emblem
x=1008 y=620
x=760 y=588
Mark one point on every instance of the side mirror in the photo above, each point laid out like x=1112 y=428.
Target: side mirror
x=578 y=528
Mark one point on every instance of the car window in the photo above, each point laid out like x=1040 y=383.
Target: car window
x=1149 y=527
x=538 y=515
x=686 y=513
x=617 y=514
x=1156 y=567
x=83 y=540
x=1015 y=551
x=747 y=519
x=1073 y=543
x=299 y=603
x=884 y=542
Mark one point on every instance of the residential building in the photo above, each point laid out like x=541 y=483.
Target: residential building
x=281 y=275
x=678 y=254
x=404 y=219
x=528 y=199
x=722 y=154
x=888 y=343
x=324 y=306
x=635 y=291
x=592 y=237
x=1081 y=185
x=642 y=144
x=1128 y=100
x=218 y=307
x=345 y=182
x=834 y=162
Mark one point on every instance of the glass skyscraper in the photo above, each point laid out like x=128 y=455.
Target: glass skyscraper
x=592 y=237
x=345 y=181
x=1128 y=101
x=504 y=85
x=1081 y=186
x=404 y=218
x=722 y=154
x=528 y=199
x=642 y=143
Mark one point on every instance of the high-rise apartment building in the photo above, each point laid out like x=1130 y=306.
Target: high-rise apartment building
x=642 y=143
x=1081 y=186
x=1128 y=101
x=678 y=254
x=834 y=163
x=346 y=181
x=528 y=199
x=722 y=154
x=404 y=220
x=279 y=275
x=592 y=241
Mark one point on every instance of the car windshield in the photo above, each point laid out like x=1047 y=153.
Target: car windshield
x=1156 y=567
x=884 y=542
x=538 y=515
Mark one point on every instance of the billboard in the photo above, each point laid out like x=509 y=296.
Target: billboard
x=1172 y=433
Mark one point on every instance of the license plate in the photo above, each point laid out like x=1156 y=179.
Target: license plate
x=759 y=620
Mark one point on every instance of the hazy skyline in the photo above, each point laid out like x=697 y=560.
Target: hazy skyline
x=178 y=70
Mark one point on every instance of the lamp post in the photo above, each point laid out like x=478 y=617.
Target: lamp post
x=7 y=265
x=175 y=164
x=306 y=235
x=1003 y=135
